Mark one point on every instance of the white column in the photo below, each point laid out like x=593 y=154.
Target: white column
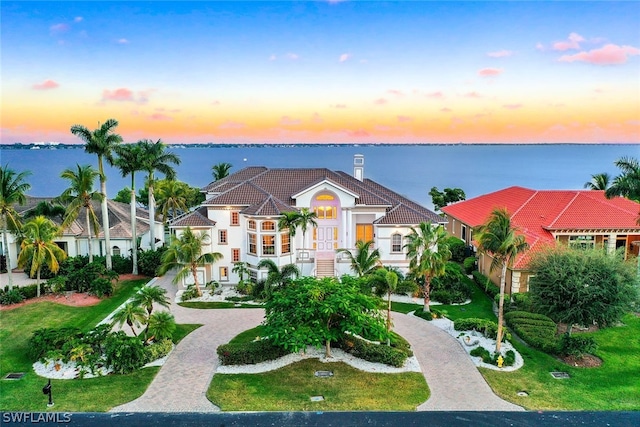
x=611 y=247
x=344 y=228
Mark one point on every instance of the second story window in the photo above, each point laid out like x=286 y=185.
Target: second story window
x=396 y=243
x=235 y=218
x=222 y=237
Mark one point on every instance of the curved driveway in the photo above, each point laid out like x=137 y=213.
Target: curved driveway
x=181 y=384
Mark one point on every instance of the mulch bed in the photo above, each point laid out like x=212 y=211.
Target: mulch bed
x=586 y=361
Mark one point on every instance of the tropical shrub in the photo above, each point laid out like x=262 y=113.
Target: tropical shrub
x=469 y=264
x=487 y=327
x=458 y=249
x=508 y=359
x=47 y=339
x=190 y=293
x=157 y=350
x=149 y=261
x=405 y=287
x=13 y=296
x=452 y=287
x=576 y=345
x=57 y=284
x=537 y=330
x=250 y=353
x=371 y=352
x=485 y=284
x=31 y=291
x=101 y=287
x=124 y=354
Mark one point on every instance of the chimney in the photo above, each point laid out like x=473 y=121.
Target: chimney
x=358 y=166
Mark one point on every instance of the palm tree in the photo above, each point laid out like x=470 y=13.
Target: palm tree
x=240 y=268
x=47 y=209
x=171 y=197
x=38 y=247
x=154 y=158
x=129 y=162
x=101 y=142
x=289 y=221
x=428 y=253
x=161 y=326
x=385 y=282
x=185 y=254
x=365 y=261
x=599 y=181
x=277 y=276
x=131 y=314
x=221 y=170
x=305 y=219
x=12 y=191
x=498 y=238
x=80 y=195
x=627 y=184
x=148 y=295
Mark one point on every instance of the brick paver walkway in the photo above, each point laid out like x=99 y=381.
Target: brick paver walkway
x=182 y=382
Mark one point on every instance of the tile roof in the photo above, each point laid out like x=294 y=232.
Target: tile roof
x=196 y=218
x=266 y=191
x=538 y=213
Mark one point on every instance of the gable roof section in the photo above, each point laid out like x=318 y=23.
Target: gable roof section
x=196 y=218
x=539 y=213
x=271 y=191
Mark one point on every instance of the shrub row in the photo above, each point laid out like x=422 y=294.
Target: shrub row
x=157 y=350
x=376 y=353
x=486 y=284
x=487 y=327
x=508 y=359
x=572 y=345
x=537 y=330
x=249 y=353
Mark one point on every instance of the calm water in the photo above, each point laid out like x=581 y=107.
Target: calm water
x=409 y=170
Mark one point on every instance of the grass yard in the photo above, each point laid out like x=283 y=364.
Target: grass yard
x=614 y=386
x=217 y=304
x=96 y=394
x=290 y=389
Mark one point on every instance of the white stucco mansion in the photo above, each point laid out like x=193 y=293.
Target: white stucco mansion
x=241 y=216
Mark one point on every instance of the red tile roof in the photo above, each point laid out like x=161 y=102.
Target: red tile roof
x=539 y=213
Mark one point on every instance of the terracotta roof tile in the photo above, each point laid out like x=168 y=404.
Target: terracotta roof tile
x=197 y=218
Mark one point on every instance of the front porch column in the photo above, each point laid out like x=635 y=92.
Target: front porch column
x=611 y=244
x=515 y=282
x=344 y=229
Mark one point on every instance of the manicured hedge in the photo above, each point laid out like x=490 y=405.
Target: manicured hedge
x=375 y=353
x=487 y=327
x=249 y=353
x=492 y=359
x=537 y=330
x=485 y=284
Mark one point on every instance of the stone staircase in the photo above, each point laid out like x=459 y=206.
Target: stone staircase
x=325 y=268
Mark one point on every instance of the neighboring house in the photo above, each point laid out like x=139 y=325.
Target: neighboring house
x=582 y=218
x=74 y=239
x=241 y=215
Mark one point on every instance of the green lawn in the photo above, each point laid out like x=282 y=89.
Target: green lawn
x=96 y=394
x=291 y=387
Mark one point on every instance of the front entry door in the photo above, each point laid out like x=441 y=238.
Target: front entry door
x=325 y=239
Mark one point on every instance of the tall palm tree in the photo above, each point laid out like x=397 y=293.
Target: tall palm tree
x=155 y=159
x=221 y=170
x=627 y=184
x=12 y=191
x=185 y=254
x=289 y=221
x=277 y=276
x=38 y=247
x=131 y=314
x=365 y=261
x=305 y=219
x=499 y=239
x=101 y=142
x=171 y=197
x=80 y=195
x=599 y=181
x=428 y=253
x=129 y=162
x=148 y=295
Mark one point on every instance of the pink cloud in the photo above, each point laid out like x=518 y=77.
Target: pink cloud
x=380 y=101
x=512 y=106
x=45 y=85
x=500 y=54
x=358 y=133
x=609 y=54
x=215 y=102
x=288 y=121
x=59 y=28
x=122 y=94
x=438 y=95
x=340 y=106
x=404 y=119
x=344 y=57
x=159 y=117
x=395 y=92
x=446 y=110
x=489 y=72
x=316 y=118
x=472 y=95
x=230 y=124
x=292 y=56
x=573 y=42
x=540 y=46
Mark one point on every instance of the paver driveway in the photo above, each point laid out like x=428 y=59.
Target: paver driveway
x=182 y=382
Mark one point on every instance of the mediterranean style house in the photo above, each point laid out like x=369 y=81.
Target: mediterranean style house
x=242 y=211
x=582 y=218
x=74 y=239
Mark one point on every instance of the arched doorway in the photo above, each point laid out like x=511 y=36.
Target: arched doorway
x=326 y=206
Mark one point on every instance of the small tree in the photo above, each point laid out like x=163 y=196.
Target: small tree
x=583 y=287
x=277 y=277
x=320 y=311
x=132 y=314
x=441 y=199
x=365 y=260
x=161 y=326
x=148 y=295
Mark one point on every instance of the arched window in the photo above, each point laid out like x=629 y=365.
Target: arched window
x=115 y=250
x=396 y=242
x=268 y=226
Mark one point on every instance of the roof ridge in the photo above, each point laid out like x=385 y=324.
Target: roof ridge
x=535 y=192
x=569 y=203
x=587 y=193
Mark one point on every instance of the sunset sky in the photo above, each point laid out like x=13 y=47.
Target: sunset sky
x=324 y=71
